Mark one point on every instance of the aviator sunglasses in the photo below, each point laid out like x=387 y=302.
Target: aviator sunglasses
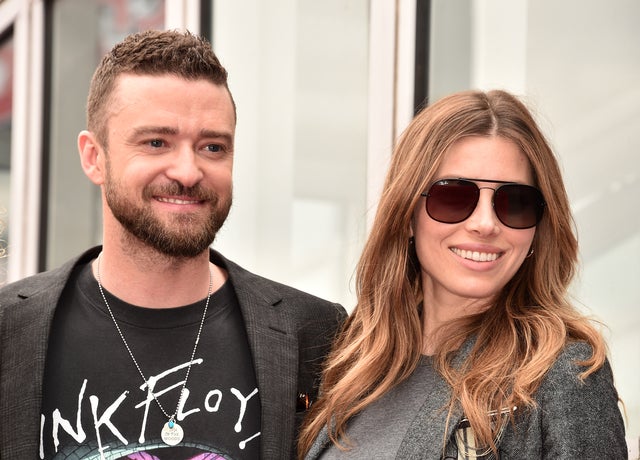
x=451 y=201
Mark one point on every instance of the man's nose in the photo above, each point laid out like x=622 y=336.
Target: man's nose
x=185 y=167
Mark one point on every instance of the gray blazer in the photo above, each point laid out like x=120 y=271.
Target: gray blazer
x=289 y=334
x=573 y=420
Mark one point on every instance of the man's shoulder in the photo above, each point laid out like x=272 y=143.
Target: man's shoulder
x=47 y=282
x=30 y=286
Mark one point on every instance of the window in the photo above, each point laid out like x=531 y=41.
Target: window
x=74 y=219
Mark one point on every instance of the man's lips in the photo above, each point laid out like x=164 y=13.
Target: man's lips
x=171 y=200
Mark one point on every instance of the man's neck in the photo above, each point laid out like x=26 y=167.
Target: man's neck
x=150 y=279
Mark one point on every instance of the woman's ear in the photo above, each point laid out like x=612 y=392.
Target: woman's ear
x=91 y=157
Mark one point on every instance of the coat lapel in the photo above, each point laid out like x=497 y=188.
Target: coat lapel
x=321 y=442
x=22 y=369
x=429 y=425
x=26 y=320
x=274 y=347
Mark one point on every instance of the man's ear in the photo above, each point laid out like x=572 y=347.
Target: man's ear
x=91 y=157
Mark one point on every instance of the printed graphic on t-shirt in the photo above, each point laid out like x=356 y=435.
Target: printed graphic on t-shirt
x=121 y=427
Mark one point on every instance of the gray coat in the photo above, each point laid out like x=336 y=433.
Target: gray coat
x=573 y=420
x=289 y=334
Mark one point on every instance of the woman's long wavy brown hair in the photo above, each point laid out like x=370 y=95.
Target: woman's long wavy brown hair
x=517 y=338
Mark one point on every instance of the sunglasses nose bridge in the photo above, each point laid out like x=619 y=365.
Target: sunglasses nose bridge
x=484 y=214
x=488 y=188
x=493 y=195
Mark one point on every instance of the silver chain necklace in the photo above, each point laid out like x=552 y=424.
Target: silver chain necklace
x=171 y=433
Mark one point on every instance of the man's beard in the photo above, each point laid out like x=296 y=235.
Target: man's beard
x=184 y=235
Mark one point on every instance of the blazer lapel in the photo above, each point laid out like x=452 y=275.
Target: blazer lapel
x=274 y=347
x=26 y=321
x=24 y=338
x=429 y=425
x=321 y=442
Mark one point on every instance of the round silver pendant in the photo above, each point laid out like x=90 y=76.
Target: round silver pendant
x=172 y=433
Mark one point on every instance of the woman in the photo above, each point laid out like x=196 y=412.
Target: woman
x=463 y=343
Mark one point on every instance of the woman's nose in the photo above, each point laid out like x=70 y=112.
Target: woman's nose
x=483 y=220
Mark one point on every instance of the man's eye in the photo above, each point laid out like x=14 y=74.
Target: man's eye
x=156 y=143
x=214 y=148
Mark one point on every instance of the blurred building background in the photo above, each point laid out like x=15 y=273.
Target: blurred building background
x=323 y=89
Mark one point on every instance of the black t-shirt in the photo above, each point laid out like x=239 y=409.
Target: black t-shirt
x=96 y=404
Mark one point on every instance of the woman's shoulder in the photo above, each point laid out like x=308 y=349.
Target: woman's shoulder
x=572 y=357
x=575 y=415
x=568 y=376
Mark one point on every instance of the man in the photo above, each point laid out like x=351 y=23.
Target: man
x=153 y=345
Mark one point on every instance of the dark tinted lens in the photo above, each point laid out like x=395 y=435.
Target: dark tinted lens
x=518 y=206
x=452 y=201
